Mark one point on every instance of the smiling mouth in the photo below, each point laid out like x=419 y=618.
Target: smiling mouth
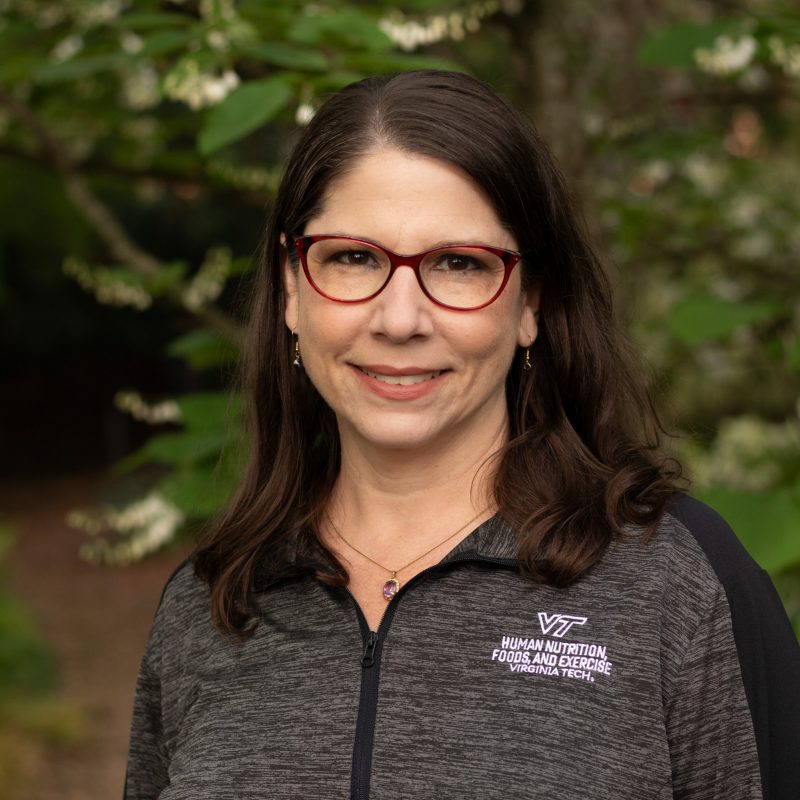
x=402 y=380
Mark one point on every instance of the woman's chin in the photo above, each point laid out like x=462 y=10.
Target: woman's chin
x=390 y=435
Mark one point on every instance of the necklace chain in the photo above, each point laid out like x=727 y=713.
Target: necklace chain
x=392 y=585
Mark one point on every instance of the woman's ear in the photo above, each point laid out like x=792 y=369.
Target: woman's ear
x=529 y=318
x=292 y=312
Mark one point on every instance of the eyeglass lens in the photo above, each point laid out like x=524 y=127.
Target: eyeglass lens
x=461 y=277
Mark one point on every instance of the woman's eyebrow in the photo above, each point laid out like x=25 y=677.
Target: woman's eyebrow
x=452 y=242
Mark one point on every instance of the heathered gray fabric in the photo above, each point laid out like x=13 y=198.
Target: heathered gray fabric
x=661 y=711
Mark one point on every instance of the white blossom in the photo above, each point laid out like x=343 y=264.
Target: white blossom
x=456 y=26
x=754 y=79
x=140 y=87
x=254 y=178
x=154 y=414
x=107 y=285
x=217 y=41
x=728 y=288
x=100 y=12
x=745 y=209
x=649 y=177
x=304 y=114
x=130 y=42
x=747 y=452
x=726 y=56
x=187 y=83
x=85 y=521
x=217 y=9
x=208 y=283
x=409 y=34
x=67 y=48
x=657 y=171
x=707 y=175
x=787 y=57
x=145 y=526
x=47 y=15
x=593 y=123
x=755 y=246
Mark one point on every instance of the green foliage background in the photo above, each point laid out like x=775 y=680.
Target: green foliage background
x=676 y=123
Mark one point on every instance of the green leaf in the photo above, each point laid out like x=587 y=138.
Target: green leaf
x=699 y=319
x=346 y=27
x=794 y=354
x=199 y=492
x=203 y=349
x=164 y=42
x=244 y=110
x=18 y=67
x=208 y=411
x=26 y=664
x=767 y=523
x=184 y=448
x=79 y=68
x=141 y=22
x=333 y=81
x=169 y=275
x=287 y=56
x=676 y=46
x=241 y=266
x=395 y=62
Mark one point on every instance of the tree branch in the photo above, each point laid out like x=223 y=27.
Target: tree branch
x=101 y=218
x=93 y=166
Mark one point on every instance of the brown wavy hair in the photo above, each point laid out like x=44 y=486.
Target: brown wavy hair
x=582 y=461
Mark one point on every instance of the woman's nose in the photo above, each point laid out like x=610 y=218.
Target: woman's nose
x=402 y=310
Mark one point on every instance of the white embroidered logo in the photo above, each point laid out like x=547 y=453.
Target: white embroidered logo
x=542 y=655
x=558 y=624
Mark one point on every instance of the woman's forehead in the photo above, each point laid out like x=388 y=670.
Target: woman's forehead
x=405 y=200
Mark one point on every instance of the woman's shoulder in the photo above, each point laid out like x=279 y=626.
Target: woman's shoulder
x=697 y=523
x=720 y=559
x=693 y=547
x=732 y=608
x=702 y=562
x=184 y=598
x=693 y=575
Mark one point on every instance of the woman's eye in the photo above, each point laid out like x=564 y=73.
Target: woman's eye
x=355 y=258
x=458 y=262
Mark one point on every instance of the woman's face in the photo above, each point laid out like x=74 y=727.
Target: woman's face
x=398 y=370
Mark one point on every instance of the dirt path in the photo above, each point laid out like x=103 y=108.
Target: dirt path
x=95 y=618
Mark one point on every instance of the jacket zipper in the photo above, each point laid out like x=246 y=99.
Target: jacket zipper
x=368 y=701
x=370 y=674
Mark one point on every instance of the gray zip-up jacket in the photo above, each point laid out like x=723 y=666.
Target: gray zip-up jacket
x=668 y=670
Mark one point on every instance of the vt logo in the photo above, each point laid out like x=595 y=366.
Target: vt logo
x=558 y=624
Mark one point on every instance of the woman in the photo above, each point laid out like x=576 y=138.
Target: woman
x=456 y=565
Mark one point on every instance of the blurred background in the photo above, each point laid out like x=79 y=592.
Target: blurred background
x=140 y=146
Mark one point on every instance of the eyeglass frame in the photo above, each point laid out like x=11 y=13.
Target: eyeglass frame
x=510 y=259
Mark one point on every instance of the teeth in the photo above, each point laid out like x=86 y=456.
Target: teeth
x=403 y=380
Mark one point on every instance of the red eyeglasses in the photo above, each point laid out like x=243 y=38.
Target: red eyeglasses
x=462 y=277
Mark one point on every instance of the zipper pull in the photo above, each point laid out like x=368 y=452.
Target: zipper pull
x=368 y=659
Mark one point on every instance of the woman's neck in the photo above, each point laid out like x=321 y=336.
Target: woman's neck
x=394 y=501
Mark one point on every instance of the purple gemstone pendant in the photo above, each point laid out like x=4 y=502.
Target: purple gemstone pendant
x=391 y=587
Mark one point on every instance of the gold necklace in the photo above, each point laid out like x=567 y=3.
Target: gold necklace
x=392 y=586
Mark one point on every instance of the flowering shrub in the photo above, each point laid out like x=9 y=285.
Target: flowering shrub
x=679 y=136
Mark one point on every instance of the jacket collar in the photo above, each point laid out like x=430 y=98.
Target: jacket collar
x=491 y=541
x=494 y=541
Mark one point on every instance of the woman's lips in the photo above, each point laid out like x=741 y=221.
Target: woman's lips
x=392 y=383
x=402 y=380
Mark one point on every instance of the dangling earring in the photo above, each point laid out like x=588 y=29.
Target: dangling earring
x=297 y=360
x=527 y=364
